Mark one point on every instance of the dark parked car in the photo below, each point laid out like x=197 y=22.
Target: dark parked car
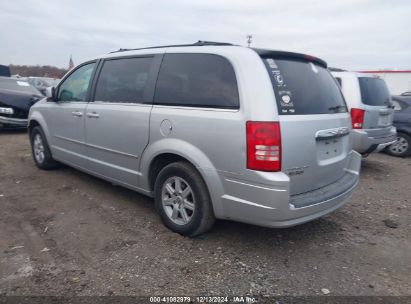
x=16 y=98
x=402 y=121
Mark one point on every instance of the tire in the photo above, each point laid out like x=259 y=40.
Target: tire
x=401 y=148
x=182 y=200
x=41 y=151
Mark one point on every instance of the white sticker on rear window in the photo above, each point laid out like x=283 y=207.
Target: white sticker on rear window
x=285 y=99
x=278 y=77
x=271 y=63
x=23 y=83
x=283 y=95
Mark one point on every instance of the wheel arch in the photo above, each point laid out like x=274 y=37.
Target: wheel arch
x=32 y=124
x=404 y=130
x=168 y=150
x=37 y=119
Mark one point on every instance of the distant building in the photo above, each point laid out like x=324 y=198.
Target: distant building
x=71 y=63
x=398 y=81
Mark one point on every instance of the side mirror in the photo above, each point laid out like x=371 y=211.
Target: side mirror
x=51 y=94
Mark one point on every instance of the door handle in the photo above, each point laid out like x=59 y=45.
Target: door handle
x=93 y=115
x=77 y=113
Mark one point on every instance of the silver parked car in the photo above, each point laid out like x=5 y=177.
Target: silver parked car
x=372 y=113
x=210 y=130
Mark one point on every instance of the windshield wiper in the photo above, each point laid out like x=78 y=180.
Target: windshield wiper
x=337 y=109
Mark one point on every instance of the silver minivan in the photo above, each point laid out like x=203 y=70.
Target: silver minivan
x=210 y=130
x=369 y=102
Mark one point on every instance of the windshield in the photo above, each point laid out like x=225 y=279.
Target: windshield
x=18 y=85
x=302 y=87
x=374 y=91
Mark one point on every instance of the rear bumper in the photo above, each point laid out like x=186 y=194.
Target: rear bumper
x=272 y=206
x=13 y=122
x=373 y=140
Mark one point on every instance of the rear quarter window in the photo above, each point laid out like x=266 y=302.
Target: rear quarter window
x=197 y=80
x=374 y=91
x=303 y=87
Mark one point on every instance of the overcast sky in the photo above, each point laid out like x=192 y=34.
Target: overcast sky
x=352 y=34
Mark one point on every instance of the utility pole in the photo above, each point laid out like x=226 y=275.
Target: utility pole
x=249 y=39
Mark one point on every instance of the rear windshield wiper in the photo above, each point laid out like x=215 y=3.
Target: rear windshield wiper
x=337 y=109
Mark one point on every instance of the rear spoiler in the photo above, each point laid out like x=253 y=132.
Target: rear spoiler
x=271 y=53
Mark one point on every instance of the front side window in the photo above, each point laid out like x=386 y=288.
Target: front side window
x=124 y=80
x=75 y=86
x=197 y=80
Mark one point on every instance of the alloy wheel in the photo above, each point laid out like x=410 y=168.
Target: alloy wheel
x=178 y=200
x=38 y=148
x=400 y=146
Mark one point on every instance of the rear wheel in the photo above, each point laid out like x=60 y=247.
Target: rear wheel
x=40 y=150
x=182 y=199
x=402 y=147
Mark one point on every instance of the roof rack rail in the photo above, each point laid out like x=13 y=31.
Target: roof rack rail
x=198 y=43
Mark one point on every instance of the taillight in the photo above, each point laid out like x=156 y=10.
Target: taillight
x=263 y=146
x=357 y=118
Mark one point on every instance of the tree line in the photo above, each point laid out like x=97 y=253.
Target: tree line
x=38 y=71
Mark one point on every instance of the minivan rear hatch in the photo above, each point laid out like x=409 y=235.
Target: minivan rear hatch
x=313 y=119
x=375 y=96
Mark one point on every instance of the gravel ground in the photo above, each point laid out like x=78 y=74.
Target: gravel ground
x=66 y=233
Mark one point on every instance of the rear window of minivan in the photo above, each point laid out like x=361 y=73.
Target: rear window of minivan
x=303 y=87
x=374 y=91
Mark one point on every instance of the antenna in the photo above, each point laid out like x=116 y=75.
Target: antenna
x=249 y=39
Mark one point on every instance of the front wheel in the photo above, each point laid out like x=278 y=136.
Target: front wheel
x=40 y=150
x=182 y=199
x=402 y=147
